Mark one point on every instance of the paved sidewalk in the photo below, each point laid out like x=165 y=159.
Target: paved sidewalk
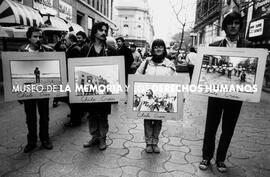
x=180 y=142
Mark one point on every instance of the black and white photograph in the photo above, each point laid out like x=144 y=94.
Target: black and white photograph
x=96 y=79
x=46 y=72
x=112 y=111
x=228 y=70
x=97 y=76
x=232 y=73
x=153 y=99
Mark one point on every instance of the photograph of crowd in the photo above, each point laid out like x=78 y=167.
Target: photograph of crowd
x=150 y=99
x=227 y=70
x=42 y=72
x=96 y=76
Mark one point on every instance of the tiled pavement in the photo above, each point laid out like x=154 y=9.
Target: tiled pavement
x=180 y=142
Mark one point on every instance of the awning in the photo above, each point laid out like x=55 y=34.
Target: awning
x=56 y=23
x=12 y=13
x=74 y=28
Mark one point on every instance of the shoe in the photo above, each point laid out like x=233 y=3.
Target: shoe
x=204 y=164
x=148 y=149
x=93 y=141
x=102 y=145
x=221 y=167
x=29 y=148
x=156 y=149
x=47 y=144
x=72 y=124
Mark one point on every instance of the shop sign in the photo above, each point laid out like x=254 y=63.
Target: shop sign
x=256 y=28
x=65 y=11
x=44 y=7
x=262 y=3
x=48 y=3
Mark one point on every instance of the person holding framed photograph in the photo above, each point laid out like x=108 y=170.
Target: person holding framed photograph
x=157 y=65
x=219 y=108
x=31 y=105
x=98 y=112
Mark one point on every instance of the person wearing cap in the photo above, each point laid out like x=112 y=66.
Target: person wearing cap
x=219 y=108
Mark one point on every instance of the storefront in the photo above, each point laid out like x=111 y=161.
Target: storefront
x=13 y=14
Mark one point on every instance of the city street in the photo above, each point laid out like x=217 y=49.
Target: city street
x=180 y=142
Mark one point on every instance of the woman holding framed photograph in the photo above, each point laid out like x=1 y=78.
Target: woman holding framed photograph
x=156 y=65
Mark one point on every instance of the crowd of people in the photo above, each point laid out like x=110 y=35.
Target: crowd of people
x=154 y=63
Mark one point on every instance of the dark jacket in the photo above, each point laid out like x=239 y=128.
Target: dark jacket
x=43 y=48
x=240 y=43
x=73 y=51
x=126 y=52
x=86 y=51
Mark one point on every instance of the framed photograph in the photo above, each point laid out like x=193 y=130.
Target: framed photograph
x=155 y=97
x=96 y=79
x=230 y=73
x=29 y=75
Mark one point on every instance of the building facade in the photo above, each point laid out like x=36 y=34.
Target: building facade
x=209 y=17
x=81 y=12
x=134 y=22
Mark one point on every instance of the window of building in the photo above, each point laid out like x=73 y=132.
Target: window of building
x=102 y=5
x=139 y=26
x=97 y=5
x=125 y=25
x=126 y=18
x=139 y=18
x=90 y=22
x=80 y=18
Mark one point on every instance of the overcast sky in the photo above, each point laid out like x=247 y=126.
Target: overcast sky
x=164 y=20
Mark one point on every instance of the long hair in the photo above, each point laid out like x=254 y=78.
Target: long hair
x=97 y=26
x=159 y=42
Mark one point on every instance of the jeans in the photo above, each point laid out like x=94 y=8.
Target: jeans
x=231 y=110
x=152 y=130
x=30 y=107
x=98 y=125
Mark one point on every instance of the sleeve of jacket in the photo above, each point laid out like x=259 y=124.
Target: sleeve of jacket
x=84 y=51
x=130 y=57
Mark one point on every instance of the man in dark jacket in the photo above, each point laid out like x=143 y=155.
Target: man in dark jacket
x=30 y=106
x=232 y=24
x=72 y=51
x=98 y=112
x=126 y=52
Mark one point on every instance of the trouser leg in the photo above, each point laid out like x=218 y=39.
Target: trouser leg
x=43 y=109
x=103 y=125
x=214 y=111
x=230 y=117
x=148 y=131
x=93 y=125
x=157 y=124
x=31 y=120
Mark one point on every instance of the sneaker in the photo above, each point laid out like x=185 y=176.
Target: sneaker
x=93 y=141
x=102 y=145
x=148 y=148
x=221 y=167
x=204 y=164
x=156 y=149
x=47 y=144
x=29 y=148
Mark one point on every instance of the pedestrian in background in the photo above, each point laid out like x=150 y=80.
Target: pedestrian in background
x=98 y=112
x=81 y=39
x=217 y=107
x=122 y=49
x=191 y=59
x=137 y=58
x=157 y=65
x=30 y=106
x=72 y=51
